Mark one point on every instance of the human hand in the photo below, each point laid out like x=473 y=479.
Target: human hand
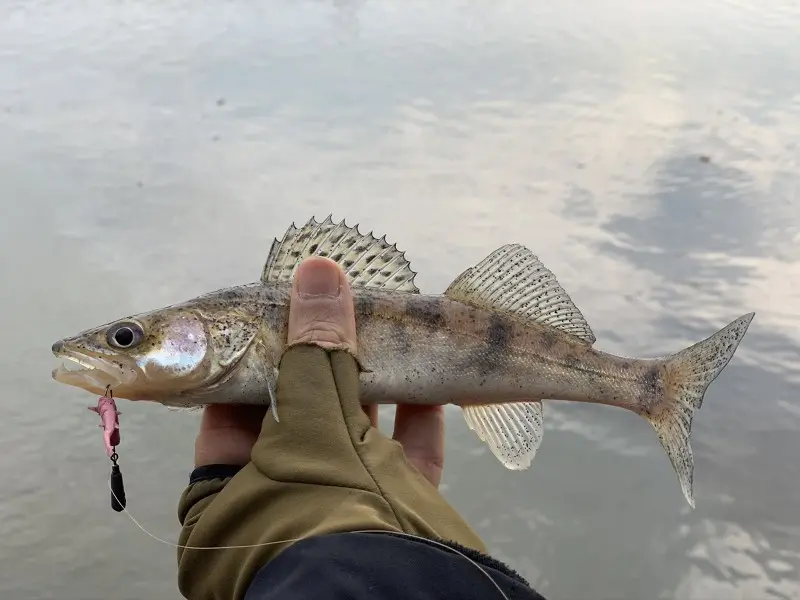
x=228 y=432
x=324 y=468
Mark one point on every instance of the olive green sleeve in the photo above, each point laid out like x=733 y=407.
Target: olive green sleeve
x=322 y=469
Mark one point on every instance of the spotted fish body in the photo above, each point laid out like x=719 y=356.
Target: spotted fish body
x=502 y=337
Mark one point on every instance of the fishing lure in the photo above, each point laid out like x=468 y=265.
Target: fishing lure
x=109 y=423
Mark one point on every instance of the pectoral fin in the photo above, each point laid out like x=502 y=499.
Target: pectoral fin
x=272 y=383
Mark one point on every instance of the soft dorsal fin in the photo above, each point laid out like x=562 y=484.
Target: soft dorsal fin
x=367 y=261
x=513 y=280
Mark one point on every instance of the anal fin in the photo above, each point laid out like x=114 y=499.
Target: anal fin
x=513 y=431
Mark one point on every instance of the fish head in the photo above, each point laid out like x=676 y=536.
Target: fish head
x=155 y=356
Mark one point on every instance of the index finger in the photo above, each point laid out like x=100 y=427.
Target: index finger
x=420 y=430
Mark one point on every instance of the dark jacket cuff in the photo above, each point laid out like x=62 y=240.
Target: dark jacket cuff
x=208 y=472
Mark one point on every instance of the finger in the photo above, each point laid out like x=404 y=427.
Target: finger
x=232 y=416
x=227 y=434
x=371 y=411
x=420 y=430
x=321 y=309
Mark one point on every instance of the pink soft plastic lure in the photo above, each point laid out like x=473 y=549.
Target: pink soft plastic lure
x=109 y=417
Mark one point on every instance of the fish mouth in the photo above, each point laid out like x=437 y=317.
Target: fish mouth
x=90 y=372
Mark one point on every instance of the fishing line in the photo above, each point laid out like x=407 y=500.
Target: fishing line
x=293 y=540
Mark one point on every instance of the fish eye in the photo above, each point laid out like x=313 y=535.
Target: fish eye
x=124 y=335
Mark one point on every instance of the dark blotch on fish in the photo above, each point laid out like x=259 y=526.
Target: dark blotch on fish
x=401 y=339
x=364 y=305
x=548 y=338
x=651 y=389
x=427 y=311
x=573 y=362
x=498 y=336
x=498 y=339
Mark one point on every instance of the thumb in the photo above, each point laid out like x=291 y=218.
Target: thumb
x=321 y=308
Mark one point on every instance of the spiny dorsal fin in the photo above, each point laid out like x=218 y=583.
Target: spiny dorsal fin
x=512 y=431
x=513 y=280
x=367 y=261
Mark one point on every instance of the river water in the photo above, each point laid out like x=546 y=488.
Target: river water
x=648 y=152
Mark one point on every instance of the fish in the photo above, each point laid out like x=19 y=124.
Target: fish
x=502 y=338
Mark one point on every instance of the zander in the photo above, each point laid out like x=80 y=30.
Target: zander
x=502 y=337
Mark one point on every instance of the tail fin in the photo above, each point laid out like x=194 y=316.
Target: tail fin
x=687 y=375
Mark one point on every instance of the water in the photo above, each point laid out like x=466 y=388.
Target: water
x=648 y=152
